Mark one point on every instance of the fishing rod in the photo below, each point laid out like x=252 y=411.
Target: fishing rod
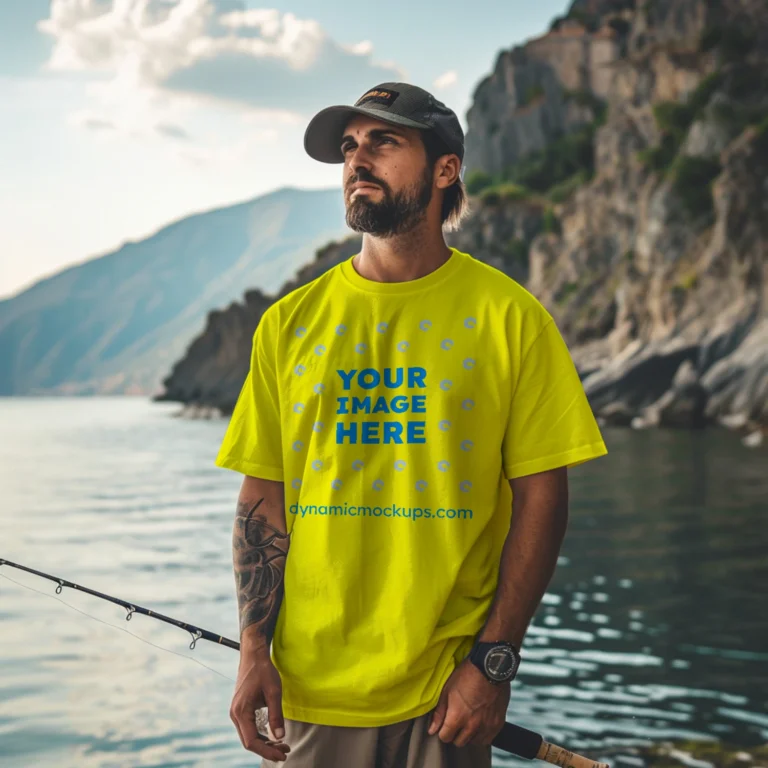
x=512 y=738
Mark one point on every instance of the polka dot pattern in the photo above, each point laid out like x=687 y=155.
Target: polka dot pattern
x=445 y=385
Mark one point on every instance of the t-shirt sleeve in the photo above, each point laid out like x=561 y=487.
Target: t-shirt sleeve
x=252 y=443
x=550 y=422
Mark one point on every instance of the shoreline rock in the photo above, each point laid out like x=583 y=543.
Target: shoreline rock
x=687 y=754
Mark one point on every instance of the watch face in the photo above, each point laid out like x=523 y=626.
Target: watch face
x=500 y=663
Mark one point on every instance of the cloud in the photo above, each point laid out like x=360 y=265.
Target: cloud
x=446 y=79
x=207 y=49
x=227 y=159
x=95 y=124
x=172 y=131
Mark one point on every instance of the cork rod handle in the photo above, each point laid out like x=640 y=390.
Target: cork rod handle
x=551 y=753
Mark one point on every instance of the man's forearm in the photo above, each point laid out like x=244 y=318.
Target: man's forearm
x=529 y=556
x=259 y=550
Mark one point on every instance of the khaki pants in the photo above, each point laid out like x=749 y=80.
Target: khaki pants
x=401 y=745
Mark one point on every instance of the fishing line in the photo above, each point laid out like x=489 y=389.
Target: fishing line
x=114 y=626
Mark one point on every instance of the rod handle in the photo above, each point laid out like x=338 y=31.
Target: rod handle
x=551 y=753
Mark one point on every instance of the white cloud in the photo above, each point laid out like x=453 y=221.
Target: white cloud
x=446 y=79
x=248 y=151
x=163 y=58
x=97 y=125
x=363 y=48
x=172 y=131
x=259 y=116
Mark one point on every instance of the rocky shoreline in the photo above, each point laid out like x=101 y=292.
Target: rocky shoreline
x=686 y=754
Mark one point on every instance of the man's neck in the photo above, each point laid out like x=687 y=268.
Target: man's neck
x=401 y=258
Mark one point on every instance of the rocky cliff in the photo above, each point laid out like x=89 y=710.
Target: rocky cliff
x=618 y=167
x=656 y=270
x=526 y=102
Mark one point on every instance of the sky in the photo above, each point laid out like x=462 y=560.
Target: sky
x=118 y=117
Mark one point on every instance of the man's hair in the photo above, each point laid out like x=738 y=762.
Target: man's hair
x=455 y=201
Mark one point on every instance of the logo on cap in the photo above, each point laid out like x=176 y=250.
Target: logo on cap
x=379 y=96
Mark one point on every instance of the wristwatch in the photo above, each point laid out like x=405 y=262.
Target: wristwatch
x=499 y=661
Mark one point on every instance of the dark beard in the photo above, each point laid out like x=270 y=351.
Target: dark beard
x=395 y=214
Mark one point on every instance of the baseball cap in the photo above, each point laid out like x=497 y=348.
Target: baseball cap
x=395 y=103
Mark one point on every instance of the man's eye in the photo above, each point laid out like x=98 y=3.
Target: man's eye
x=346 y=147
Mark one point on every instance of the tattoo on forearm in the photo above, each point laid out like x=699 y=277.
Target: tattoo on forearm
x=259 y=553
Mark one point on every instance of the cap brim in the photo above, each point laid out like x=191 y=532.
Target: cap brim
x=322 y=139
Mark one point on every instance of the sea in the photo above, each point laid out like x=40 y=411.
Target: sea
x=654 y=628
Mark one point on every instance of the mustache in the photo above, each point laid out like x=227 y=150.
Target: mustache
x=365 y=179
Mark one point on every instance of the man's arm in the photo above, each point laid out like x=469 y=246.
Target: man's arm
x=529 y=557
x=259 y=551
x=471 y=709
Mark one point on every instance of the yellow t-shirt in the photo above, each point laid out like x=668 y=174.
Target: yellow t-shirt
x=394 y=413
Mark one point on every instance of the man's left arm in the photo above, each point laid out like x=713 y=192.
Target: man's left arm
x=471 y=709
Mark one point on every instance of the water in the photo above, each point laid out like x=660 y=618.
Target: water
x=654 y=626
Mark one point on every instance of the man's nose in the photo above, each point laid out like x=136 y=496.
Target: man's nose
x=360 y=158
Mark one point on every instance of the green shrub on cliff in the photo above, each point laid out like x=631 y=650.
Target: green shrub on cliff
x=566 y=162
x=505 y=191
x=532 y=93
x=558 y=161
x=692 y=181
x=516 y=253
x=674 y=119
x=582 y=96
x=566 y=291
x=744 y=81
x=561 y=191
x=556 y=22
x=736 y=117
x=732 y=41
x=551 y=223
x=700 y=97
x=478 y=181
x=761 y=138
x=585 y=98
x=590 y=21
x=622 y=26
x=660 y=157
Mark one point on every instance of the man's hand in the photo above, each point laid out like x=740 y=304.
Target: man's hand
x=471 y=709
x=258 y=685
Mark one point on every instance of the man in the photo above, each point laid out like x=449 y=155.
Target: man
x=405 y=431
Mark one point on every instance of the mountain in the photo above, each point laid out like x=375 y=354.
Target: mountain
x=617 y=167
x=213 y=368
x=113 y=324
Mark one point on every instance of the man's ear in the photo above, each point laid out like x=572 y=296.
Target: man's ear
x=448 y=168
